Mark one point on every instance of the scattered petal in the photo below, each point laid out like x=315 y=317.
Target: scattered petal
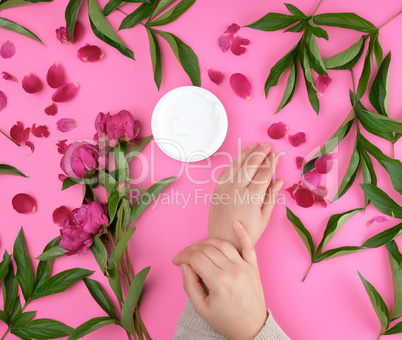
x=277 y=130
x=31 y=83
x=322 y=83
x=378 y=219
x=237 y=45
x=60 y=214
x=19 y=134
x=8 y=76
x=3 y=100
x=215 y=76
x=55 y=75
x=51 y=110
x=291 y=190
x=224 y=42
x=63 y=36
x=241 y=86
x=7 y=49
x=297 y=139
x=24 y=204
x=62 y=146
x=323 y=164
x=230 y=40
x=312 y=178
x=232 y=29
x=65 y=92
x=304 y=197
x=40 y=131
x=66 y=124
x=299 y=162
x=323 y=202
x=31 y=146
x=90 y=53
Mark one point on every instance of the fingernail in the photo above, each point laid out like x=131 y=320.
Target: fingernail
x=266 y=144
x=183 y=269
x=238 y=225
x=253 y=145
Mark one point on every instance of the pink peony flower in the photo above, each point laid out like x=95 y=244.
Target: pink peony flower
x=66 y=124
x=31 y=83
x=7 y=50
x=8 y=76
x=230 y=40
x=322 y=83
x=55 y=75
x=241 y=86
x=119 y=127
x=24 y=204
x=3 y=100
x=80 y=225
x=63 y=36
x=90 y=53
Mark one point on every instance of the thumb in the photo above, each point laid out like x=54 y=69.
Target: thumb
x=193 y=287
x=246 y=244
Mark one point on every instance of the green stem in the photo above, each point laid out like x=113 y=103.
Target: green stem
x=7 y=331
x=354 y=86
x=400 y=12
x=6 y=135
x=379 y=336
x=316 y=7
x=128 y=335
x=144 y=330
x=308 y=271
x=393 y=150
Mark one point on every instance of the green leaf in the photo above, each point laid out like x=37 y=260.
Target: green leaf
x=133 y=294
x=16 y=310
x=104 y=31
x=152 y=192
x=295 y=11
x=52 y=253
x=344 y=20
x=378 y=125
x=10 y=170
x=45 y=329
x=90 y=326
x=70 y=14
x=368 y=172
x=310 y=84
x=113 y=204
x=397 y=329
x=156 y=57
x=14 y=27
x=319 y=32
x=348 y=58
x=350 y=175
x=100 y=253
x=290 y=87
x=141 y=13
x=4 y=265
x=23 y=318
x=13 y=3
x=111 y=6
x=395 y=261
x=10 y=287
x=114 y=280
x=25 y=275
x=303 y=233
x=382 y=201
x=273 y=22
x=3 y=316
x=100 y=297
x=44 y=267
x=120 y=163
x=337 y=252
x=122 y=245
x=162 y=4
x=173 y=14
x=69 y=182
x=383 y=237
x=300 y=26
x=279 y=68
x=185 y=55
x=314 y=56
x=136 y=149
x=107 y=181
x=392 y=166
x=366 y=72
x=379 y=92
x=60 y=282
x=378 y=53
x=335 y=223
x=378 y=303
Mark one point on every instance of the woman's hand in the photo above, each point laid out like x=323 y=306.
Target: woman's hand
x=235 y=306
x=245 y=192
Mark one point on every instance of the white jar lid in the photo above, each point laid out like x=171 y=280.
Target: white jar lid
x=189 y=123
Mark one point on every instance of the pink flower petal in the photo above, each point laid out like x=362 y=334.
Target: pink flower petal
x=312 y=178
x=62 y=146
x=55 y=75
x=62 y=177
x=323 y=164
x=323 y=202
x=297 y=139
x=7 y=49
x=304 y=197
x=322 y=82
x=31 y=83
x=299 y=162
x=66 y=124
x=8 y=76
x=90 y=53
x=241 y=86
x=65 y=92
x=40 y=131
x=19 y=134
x=237 y=45
x=215 y=76
x=51 y=110
x=31 y=146
x=24 y=204
x=224 y=42
x=378 y=219
x=233 y=29
x=60 y=214
x=277 y=130
x=63 y=36
x=3 y=100
x=291 y=190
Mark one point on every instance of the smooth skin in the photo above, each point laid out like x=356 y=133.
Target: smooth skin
x=235 y=305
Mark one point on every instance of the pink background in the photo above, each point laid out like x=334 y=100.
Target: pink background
x=332 y=303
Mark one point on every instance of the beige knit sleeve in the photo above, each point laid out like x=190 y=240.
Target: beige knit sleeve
x=192 y=327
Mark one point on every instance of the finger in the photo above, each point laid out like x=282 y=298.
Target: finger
x=247 y=246
x=225 y=247
x=270 y=199
x=263 y=177
x=194 y=288
x=234 y=167
x=252 y=164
